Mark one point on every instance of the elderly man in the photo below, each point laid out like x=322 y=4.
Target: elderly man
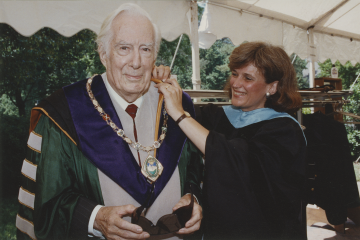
x=93 y=157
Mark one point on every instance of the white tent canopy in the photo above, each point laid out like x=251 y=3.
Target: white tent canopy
x=70 y=17
x=334 y=25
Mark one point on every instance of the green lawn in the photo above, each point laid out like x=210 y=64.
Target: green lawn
x=8 y=210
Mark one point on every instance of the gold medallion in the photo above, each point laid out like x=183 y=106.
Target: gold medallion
x=152 y=168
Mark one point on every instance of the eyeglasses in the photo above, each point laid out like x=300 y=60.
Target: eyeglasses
x=169 y=223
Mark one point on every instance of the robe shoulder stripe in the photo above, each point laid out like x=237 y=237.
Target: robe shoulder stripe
x=29 y=170
x=26 y=198
x=34 y=142
x=25 y=226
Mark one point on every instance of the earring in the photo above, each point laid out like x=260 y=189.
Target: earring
x=268 y=95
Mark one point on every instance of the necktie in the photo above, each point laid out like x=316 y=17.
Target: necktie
x=131 y=110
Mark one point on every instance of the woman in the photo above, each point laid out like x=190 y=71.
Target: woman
x=254 y=150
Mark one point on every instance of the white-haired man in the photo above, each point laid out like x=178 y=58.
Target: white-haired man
x=93 y=157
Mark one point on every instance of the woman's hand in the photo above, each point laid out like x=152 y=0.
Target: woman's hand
x=161 y=72
x=173 y=97
x=173 y=103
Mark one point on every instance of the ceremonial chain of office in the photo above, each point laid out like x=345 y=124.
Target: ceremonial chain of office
x=120 y=132
x=136 y=145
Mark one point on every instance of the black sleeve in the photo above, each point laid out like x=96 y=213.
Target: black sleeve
x=81 y=217
x=194 y=170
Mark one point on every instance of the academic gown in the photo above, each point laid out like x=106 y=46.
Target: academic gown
x=58 y=170
x=254 y=177
x=331 y=180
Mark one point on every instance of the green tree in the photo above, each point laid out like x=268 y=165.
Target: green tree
x=13 y=137
x=214 y=70
x=34 y=67
x=353 y=129
x=347 y=72
x=7 y=107
x=325 y=68
x=182 y=65
x=299 y=66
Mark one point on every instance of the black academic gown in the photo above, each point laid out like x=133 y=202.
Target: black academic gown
x=254 y=178
x=331 y=180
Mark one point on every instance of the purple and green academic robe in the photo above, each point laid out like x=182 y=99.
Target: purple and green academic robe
x=69 y=142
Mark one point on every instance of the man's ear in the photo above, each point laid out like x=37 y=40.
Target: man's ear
x=103 y=57
x=273 y=87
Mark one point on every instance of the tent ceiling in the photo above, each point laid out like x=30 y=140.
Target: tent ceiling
x=336 y=25
x=70 y=17
x=305 y=13
x=281 y=22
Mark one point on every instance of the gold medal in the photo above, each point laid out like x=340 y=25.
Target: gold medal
x=151 y=168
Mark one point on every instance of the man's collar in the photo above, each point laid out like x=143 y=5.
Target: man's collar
x=122 y=102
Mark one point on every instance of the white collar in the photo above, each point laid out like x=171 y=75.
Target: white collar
x=122 y=102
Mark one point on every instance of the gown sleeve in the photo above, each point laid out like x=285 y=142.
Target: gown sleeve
x=191 y=170
x=63 y=175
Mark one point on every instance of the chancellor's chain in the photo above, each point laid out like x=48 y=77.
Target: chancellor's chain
x=119 y=131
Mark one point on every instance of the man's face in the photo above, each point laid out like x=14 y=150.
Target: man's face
x=131 y=56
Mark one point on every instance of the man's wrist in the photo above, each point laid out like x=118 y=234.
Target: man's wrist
x=91 y=229
x=194 y=197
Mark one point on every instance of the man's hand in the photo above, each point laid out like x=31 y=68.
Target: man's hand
x=194 y=223
x=110 y=223
x=161 y=72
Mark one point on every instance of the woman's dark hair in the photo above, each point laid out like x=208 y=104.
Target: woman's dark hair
x=275 y=65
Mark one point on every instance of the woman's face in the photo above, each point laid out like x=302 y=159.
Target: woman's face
x=249 y=88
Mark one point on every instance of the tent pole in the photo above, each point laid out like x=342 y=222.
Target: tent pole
x=312 y=58
x=196 y=81
x=177 y=48
x=354 y=82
